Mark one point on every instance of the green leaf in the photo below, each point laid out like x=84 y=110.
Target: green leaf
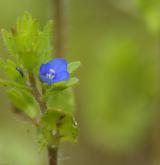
x=28 y=43
x=43 y=45
x=60 y=86
x=53 y=90
x=5 y=83
x=26 y=40
x=44 y=136
x=68 y=129
x=73 y=66
x=61 y=101
x=24 y=102
x=56 y=126
x=72 y=81
x=9 y=42
x=49 y=119
x=47 y=126
x=12 y=73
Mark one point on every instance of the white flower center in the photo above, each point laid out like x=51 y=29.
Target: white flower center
x=51 y=74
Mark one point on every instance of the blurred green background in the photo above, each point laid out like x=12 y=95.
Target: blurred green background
x=118 y=98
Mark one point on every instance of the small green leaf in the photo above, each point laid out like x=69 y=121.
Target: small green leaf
x=56 y=126
x=68 y=129
x=61 y=101
x=53 y=90
x=24 y=102
x=73 y=66
x=12 y=73
x=49 y=119
x=44 y=136
x=43 y=45
x=5 y=83
x=47 y=126
x=9 y=42
x=60 y=86
x=72 y=81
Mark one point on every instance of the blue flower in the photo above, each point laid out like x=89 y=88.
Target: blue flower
x=54 y=71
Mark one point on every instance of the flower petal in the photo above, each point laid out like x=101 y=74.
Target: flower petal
x=44 y=68
x=58 y=64
x=61 y=76
x=46 y=80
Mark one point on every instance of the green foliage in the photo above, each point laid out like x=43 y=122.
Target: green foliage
x=28 y=45
x=12 y=73
x=68 y=129
x=24 y=102
x=73 y=66
x=60 y=86
x=56 y=127
x=4 y=83
x=59 y=117
x=9 y=42
x=29 y=48
x=72 y=81
x=62 y=101
x=47 y=127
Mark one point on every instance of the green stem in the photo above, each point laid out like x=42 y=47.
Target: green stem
x=52 y=150
x=36 y=93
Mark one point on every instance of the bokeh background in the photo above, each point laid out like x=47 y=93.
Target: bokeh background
x=118 y=97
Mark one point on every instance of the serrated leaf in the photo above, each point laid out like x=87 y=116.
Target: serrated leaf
x=62 y=101
x=26 y=40
x=9 y=69
x=28 y=43
x=9 y=42
x=24 y=102
x=12 y=73
x=73 y=66
x=5 y=83
x=43 y=46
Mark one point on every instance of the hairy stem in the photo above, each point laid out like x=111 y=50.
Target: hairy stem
x=53 y=151
x=36 y=93
x=52 y=155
